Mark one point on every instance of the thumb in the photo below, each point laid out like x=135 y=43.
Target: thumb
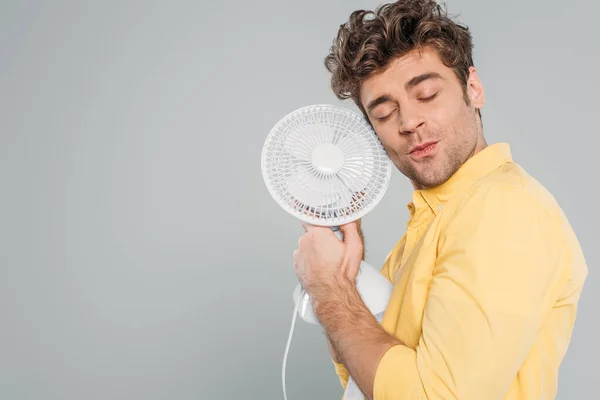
x=354 y=249
x=351 y=235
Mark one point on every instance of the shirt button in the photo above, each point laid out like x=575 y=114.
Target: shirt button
x=439 y=208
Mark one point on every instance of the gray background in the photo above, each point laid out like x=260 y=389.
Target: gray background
x=141 y=255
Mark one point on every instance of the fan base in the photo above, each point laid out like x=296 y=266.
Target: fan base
x=374 y=289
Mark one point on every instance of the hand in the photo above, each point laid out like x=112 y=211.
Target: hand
x=323 y=263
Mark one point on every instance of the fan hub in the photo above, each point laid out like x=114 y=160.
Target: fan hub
x=327 y=158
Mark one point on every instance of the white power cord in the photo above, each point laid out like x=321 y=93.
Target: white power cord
x=289 y=341
x=352 y=391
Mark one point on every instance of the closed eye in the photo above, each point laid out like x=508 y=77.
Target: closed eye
x=426 y=99
x=385 y=117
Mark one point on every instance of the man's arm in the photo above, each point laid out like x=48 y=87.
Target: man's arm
x=496 y=276
x=355 y=335
x=341 y=370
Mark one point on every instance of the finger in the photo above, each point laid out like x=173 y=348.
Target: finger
x=307 y=227
x=351 y=236
x=358 y=223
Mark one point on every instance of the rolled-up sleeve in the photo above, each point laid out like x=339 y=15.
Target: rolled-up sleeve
x=342 y=373
x=497 y=273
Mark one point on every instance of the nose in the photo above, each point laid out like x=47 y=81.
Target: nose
x=410 y=120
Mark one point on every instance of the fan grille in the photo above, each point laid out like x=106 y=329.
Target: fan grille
x=325 y=165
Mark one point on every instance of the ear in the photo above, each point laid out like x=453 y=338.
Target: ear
x=475 y=89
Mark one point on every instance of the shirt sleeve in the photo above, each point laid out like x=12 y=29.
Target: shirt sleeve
x=342 y=373
x=495 y=278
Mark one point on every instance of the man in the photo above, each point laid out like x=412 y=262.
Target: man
x=488 y=274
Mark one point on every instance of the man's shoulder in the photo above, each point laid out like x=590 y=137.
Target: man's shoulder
x=512 y=181
x=513 y=196
x=508 y=200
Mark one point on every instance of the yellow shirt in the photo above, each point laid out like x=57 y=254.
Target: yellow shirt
x=486 y=283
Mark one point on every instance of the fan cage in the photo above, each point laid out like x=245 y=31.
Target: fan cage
x=344 y=196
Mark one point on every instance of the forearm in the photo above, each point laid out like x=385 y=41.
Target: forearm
x=356 y=336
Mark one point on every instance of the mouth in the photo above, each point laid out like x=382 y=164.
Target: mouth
x=423 y=149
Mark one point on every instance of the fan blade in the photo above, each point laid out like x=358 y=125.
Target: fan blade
x=295 y=142
x=308 y=188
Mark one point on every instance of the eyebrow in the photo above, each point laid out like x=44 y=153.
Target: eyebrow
x=420 y=78
x=379 y=100
x=408 y=86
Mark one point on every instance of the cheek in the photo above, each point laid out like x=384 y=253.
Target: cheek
x=389 y=142
x=392 y=141
x=448 y=107
x=444 y=114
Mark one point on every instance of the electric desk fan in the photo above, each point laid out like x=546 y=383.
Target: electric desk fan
x=326 y=166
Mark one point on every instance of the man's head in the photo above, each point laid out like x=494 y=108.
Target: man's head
x=409 y=69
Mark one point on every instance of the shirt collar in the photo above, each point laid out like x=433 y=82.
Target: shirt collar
x=475 y=168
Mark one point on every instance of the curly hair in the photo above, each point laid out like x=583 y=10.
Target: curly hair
x=370 y=40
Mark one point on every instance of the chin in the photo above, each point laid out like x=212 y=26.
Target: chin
x=432 y=180
x=435 y=182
